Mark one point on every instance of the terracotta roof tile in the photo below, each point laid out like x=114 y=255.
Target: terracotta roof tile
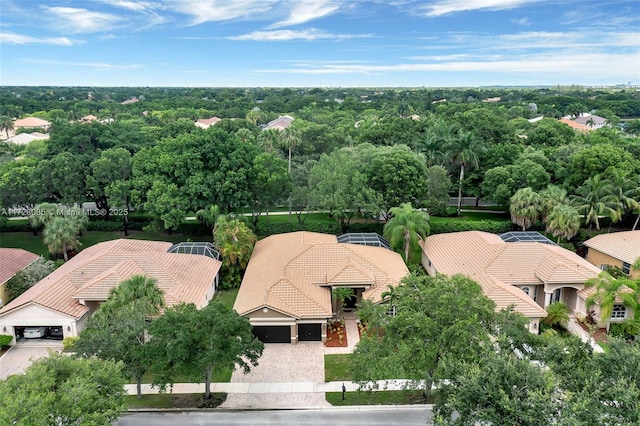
x=94 y=271
x=624 y=246
x=14 y=260
x=292 y=273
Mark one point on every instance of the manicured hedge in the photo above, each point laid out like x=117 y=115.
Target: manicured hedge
x=194 y=228
x=15 y=226
x=282 y=228
x=492 y=226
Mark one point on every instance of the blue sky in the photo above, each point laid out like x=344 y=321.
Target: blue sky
x=320 y=43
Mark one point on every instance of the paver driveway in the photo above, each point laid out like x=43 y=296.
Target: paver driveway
x=19 y=357
x=283 y=363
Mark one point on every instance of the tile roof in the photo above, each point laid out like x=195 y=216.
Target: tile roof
x=292 y=273
x=574 y=125
x=25 y=138
x=624 y=246
x=280 y=123
x=31 y=122
x=14 y=260
x=95 y=270
x=205 y=123
x=497 y=266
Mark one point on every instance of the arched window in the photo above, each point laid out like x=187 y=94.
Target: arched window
x=618 y=312
x=526 y=290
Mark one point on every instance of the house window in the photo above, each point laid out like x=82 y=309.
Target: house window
x=604 y=267
x=392 y=310
x=626 y=268
x=557 y=294
x=526 y=290
x=618 y=312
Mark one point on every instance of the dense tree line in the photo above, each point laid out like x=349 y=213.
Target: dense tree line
x=348 y=151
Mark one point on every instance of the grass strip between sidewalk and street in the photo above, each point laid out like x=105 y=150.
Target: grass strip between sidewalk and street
x=173 y=400
x=393 y=397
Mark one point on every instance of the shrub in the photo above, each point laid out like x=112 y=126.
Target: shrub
x=68 y=343
x=492 y=226
x=15 y=226
x=5 y=339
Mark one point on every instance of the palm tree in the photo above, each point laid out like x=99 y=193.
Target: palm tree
x=626 y=191
x=557 y=315
x=235 y=241
x=525 y=208
x=609 y=290
x=595 y=199
x=407 y=226
x=245 y=135
x=61 y=235
x=563 y=222
x=42 y=215
x=552 y=195
x=209 y=216
x=140 y=292
x=6 y=124
x=268 y=139
x=341 y=295
x=290 y=138
x=463 y=150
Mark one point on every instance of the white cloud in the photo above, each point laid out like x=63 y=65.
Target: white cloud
x=96 y=66
x=522 y=21
x=289 y=35
x=78 y=20
x=11 y=38
x=136 y=6
x=307 y=10
x=445 y=7
x=219 y=10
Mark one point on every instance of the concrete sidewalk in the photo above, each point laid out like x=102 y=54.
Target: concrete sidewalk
x=262 y=388
x=574 y=328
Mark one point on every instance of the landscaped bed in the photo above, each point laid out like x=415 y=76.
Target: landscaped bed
x=336 y=335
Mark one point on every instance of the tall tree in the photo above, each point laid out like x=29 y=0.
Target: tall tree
x=61 y=235
x=6 y=124
x=65 y=391
x=440 y=322
x=525 y=208
x=269 y=183
x=438 y=185
x=406 y=227
x=596 y=199
x=119 y=328
x=235 y=241
x=463 y=150
x=188 y=340
x=290 y=138
x=552 y=196
x=563 y=222
x=209 y=216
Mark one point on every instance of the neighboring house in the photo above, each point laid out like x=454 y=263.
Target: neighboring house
x=31 y=123
x=12 y=261
x=133 y=100
x=592 y=121
x=25 y=138
x=88 y=119
x=527 y=275
x=575 y=126
x=279 y=123
x=286 y=290
x=70 y=294
x=205 y=123
x=619 y=249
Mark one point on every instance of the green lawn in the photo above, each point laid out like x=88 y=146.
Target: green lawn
x=35 y=244
x=286 y=218
x=227 y=297
x=336 y=367
x=169 y=400
x=378 y=398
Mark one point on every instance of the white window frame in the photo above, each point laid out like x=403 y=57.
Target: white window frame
x=619 y=311
x=626 y=268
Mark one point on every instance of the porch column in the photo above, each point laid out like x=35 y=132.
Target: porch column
x=547 y=299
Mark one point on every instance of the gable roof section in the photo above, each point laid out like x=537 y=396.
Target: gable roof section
x=574 y=125
x=497 y=266
x=205 y=123
x=31 y=122
x=624 y=246
x=280 y=123
x=92 y=273
x=14 y=260
x=292 y=273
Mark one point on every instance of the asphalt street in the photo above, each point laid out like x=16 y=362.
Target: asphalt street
x=372 y=416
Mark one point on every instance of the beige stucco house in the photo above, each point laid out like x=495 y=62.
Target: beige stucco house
x=68 y=296
x=286 y=290
x=12 y=261
x=526 y=275
x=619 y=249
x=205 y=123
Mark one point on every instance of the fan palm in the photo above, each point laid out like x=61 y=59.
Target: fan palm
x=61 y=235
x=525 y=208
x=563 y=222
x=6 y=124
x=407 y=226
x=463 y=149
x=596 y=198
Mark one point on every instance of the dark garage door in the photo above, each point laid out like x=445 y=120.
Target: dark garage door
x=309 y=332
x=273 y=334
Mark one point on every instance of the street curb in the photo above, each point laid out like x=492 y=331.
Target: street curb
x=337 y=408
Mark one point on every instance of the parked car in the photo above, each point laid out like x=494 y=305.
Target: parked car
x=34 y=332
x=55 y=332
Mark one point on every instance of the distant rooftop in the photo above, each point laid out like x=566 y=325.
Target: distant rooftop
x=525 y=237
x=365 y=239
